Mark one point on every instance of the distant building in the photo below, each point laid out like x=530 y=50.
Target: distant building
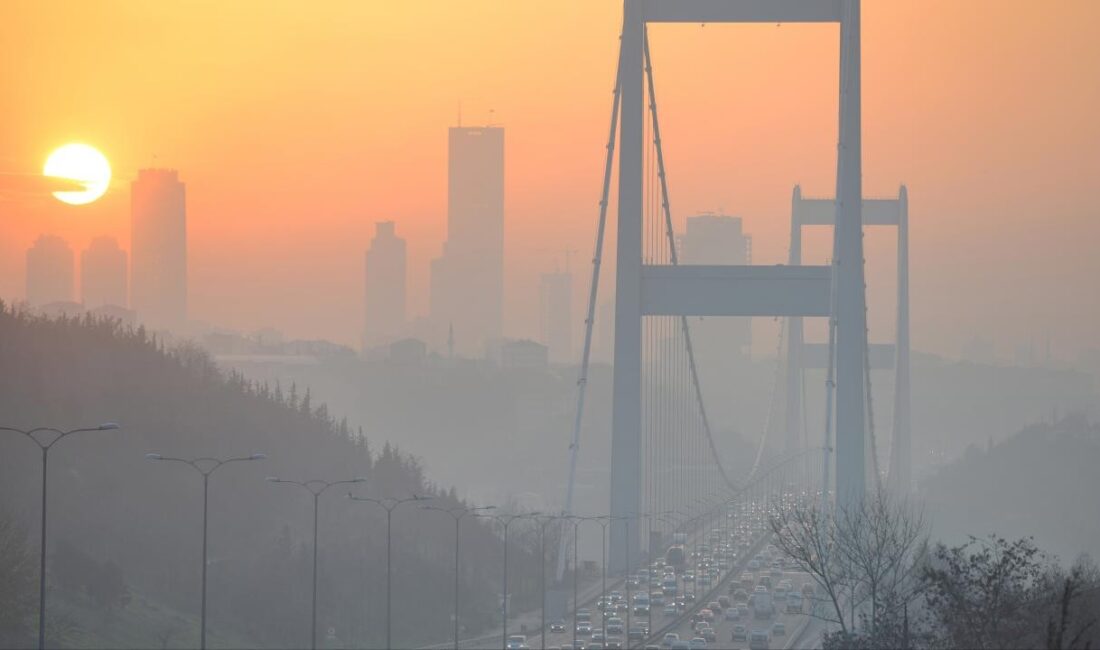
x=407 y=352
x=49 y=271
x=719 y=239
x=114 y=312
x=385 y=287
x=158 y=255
x=511 y=354
x=556 y=315
x=467 y=280
x=103 y=274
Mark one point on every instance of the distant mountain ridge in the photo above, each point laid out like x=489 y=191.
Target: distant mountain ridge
x=1043 y=481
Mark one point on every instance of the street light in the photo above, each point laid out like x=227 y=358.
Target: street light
x=505 y=521
x=543 y=521
x=210 y=465
x=316 y=487
x=389 y=504
x=458 y=514
x=45 y=447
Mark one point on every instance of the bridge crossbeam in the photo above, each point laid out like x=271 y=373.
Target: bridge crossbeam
x=704 y=290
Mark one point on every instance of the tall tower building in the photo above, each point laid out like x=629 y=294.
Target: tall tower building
x=103 y=274
x=158 y=255
x=467 y=280
x=719 y=239
x=49 y=271
x=385 y=287
x=556 y=311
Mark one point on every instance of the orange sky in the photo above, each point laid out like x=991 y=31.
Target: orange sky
x=297 y=125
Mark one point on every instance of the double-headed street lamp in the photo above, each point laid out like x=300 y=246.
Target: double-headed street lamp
x=543 y=521
x=205 y=466
x=389 y=504
x=45 y=447
x=505 y=521
x=458 y=514
x=316 y=487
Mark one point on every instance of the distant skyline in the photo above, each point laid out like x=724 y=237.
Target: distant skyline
x=988 y=116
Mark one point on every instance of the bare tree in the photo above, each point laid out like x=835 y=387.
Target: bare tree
x=883 y=542
x=808 y=537
x=864 y=556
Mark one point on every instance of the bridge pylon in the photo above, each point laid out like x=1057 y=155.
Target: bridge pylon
x=658 y=290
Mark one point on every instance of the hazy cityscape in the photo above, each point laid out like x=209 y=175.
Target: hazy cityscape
x=675 y=324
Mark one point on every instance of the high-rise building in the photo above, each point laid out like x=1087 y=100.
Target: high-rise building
x=49 y=271
x=385 y=287
x=556 y=311
x=467 y=280
x=103 y=274
x=158 y=249
x=719 y=239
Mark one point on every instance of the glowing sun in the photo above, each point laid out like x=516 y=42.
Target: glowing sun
x=83 y=164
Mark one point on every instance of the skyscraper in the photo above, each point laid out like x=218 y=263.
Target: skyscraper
x=385 y=287
x=467 y=280
x=556 y=311
x=158 y=255
x=103 y=274
x=49 y=271
x=719 y=239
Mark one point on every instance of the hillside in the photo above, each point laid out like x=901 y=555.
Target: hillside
x=1041 y=482
x=111 y=507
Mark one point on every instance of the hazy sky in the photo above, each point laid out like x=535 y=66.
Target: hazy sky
x=297 y=125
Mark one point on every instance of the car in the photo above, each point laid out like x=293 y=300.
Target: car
x=740 y=596
x=709 y=634
x=637 y=633
x=765 y=581
x=714 y=606
x=698 y=643
x=516 y=642
x=758 y=640
x=614 y=626
x=670 y=638
x=557 y=626
x=689 y=596
x=592 y=645
x=739 y=633
x=584 y=614
x=584 y=628
x=641 y=610
x=779 y=630
x=732 y=614
x=597 y=636
x=671 y=609
x=613 y=643
x=706 y=614
x=724 y=601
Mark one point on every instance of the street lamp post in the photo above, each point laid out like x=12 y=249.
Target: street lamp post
x=543 y=521
x=458 y=514
x=576 y=521
x=505 y=521
x=389 y=505
x=316 y=487
x=210 y=465
x=45 y=447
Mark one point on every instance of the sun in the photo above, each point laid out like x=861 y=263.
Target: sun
x=81 y=163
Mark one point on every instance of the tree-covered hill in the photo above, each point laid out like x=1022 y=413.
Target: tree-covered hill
x=112 y=510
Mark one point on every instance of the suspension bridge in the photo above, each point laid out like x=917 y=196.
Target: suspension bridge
x=664 y=453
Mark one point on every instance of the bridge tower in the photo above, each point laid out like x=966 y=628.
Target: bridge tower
x=647 y=290
x=802 y=356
